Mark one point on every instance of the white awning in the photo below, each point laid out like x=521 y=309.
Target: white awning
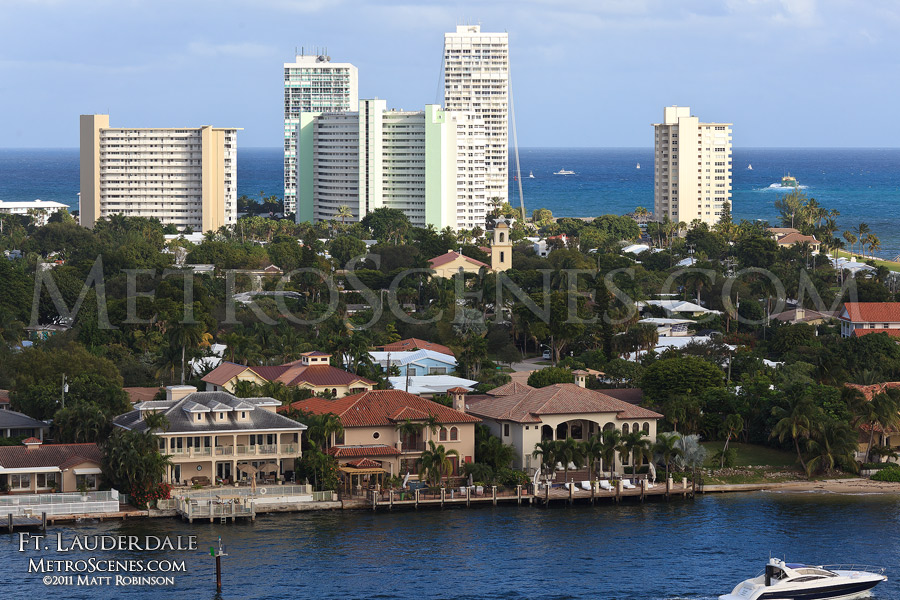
x=88 y=471
x=5 y=470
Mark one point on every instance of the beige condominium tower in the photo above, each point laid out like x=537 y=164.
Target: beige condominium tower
x=692 y=171
x=476 y=81
x=186 y=177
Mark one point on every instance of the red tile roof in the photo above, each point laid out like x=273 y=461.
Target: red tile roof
x=891 y=332
x=294 y=373
x=381 y=407
x=225 y=372
x=31 y=440
x=510 y=389
x=4 y=396
x=872 y=312
x=869 y=391
x=439 y=261
x=369 y=450
x=557 y=399
x=364 y=463
x=458 y=390
x=415 y=344
x=48 y=455
x=796 y=238
x=141 y=394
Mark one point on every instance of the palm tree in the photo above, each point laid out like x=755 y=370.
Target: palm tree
x=611 y=440
x=436 y=463
x=637 y=447
x=861 y=230
x=851 y=239
x=795 y=421
x=184 y=335
x=881 y=411
x=343 y=213
x=409 y=431
x=545 y=450
x=832 y=444
x=592 y=451
x=494 y=452
x=874 y=244
x=667 y=448
x=733 y=424
x=568 y=451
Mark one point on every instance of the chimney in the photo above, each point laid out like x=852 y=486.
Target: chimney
x=177 y=392
x=458 y=395
x=32 y=443
x=800 y=313
x=580 y=378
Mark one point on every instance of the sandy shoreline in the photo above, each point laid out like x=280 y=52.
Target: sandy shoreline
x=834 y=486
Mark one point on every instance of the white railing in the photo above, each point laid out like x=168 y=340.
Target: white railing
x=60 y=504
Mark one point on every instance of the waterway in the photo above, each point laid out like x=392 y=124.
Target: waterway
x=657 y=550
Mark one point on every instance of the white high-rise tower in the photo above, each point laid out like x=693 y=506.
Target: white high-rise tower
x=476 y=81
x=312 y=84
x=692 y=171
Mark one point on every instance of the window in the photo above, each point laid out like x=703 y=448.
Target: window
x=625 y=428
x=454 y=434
x=375 y=435
x=46 y=480
x=506 y=429
x=20 y=481
x=409 y=465
x=646 y=428
x=86 y=481
x=443 y=434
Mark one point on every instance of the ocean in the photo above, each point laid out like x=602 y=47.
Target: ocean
x=862 y=183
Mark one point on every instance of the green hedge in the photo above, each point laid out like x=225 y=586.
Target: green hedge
x=891 y=474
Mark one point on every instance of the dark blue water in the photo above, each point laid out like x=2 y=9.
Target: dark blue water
x=654 y=551
x=863 y=184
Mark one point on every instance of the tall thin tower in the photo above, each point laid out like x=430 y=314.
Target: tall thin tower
x=476 y=81
x=312 y=85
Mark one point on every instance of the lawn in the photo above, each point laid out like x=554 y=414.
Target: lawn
x=891 y=265
x=753 y=455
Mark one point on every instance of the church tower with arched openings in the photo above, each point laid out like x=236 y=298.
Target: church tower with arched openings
x=501 y=247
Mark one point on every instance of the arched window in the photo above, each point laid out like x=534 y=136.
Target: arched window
x=502 y=237
x=334 y=392
x=454 y=434
x=646 y=428
x=625 y=428
x=502 y=256
x=443 y=434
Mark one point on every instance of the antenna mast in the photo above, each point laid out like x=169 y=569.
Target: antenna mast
x=512 y=110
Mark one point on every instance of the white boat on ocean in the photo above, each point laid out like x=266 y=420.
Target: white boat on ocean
x=530 y=174
x=564 y=172
x=749 y=167
x=638 y=166
x=795 y=581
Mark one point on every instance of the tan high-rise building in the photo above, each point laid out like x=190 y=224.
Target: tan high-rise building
x=692 y=170
x=186 y=177
x=476 y=81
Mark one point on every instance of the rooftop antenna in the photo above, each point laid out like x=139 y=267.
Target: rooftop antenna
x=512 y=110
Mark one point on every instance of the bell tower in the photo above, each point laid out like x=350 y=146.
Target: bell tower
x=501 y=246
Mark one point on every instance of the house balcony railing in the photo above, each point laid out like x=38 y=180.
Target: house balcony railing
x=420 y=447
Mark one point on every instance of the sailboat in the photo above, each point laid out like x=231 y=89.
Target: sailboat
x=638 y=166
x=749 y=167
x=530 y=174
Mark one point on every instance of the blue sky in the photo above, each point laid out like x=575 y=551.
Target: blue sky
x=585 y=73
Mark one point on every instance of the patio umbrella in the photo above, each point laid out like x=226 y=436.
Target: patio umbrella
x=251 y=471
x=268 y=467
x=405 y=480
x=652 y=472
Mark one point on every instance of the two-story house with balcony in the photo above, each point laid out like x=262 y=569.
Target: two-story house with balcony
x=376 y=427
x=862 y=318
x=216 y=435
x=313 y=371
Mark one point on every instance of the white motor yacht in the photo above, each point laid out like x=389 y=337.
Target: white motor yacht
x=564 y=172
x=794 y=581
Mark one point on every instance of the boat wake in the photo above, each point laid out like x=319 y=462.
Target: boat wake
x=779 y=186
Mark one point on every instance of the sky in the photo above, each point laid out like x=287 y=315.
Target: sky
x=588 y=73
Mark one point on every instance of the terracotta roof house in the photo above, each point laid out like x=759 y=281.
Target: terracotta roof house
x=780 y=232
x=523 y=416
x=451 y=263
x=215 y=435
x=14 y=424
x=889 y=438
x=410 y=344
x=794 y=238
x=371 y=421
x=4 y=399
x=313 y=371
x=863 y=318
x=35 y=467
